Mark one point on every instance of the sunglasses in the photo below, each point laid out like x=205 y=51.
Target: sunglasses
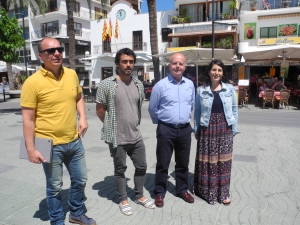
x=53 y=50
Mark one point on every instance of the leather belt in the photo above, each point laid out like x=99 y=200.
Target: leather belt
x=175 y=126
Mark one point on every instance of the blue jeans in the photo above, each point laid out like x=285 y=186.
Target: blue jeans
x=73 y=156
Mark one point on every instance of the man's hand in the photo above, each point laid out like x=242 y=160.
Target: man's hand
x=82 y=127
x=197 y=137
x=35 y=156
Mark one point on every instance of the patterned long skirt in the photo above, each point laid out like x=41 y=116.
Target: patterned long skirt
x=213 y=160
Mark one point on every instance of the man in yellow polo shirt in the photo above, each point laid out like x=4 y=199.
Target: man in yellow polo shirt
x=50 y=100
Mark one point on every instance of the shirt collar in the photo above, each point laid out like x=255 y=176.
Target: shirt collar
x=172 y=80
x=45 y=72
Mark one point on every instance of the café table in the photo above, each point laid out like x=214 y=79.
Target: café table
x=262 y=93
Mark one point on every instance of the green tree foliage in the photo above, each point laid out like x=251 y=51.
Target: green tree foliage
x=10 y=40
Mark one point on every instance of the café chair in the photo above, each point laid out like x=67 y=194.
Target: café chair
x=268 y=97
x=243 y=97
x=283 y=98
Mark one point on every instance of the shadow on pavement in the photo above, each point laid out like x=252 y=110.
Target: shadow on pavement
x=42 y=213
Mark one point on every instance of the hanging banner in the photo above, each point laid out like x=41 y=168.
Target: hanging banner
x=272 y=72
x=284 y=70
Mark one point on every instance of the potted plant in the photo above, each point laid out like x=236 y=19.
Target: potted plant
x=225 y=16
x=253 y=5
x=232 y=7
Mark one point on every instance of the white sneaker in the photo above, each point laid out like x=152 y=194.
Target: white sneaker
x=146 y=203
x=125 y=209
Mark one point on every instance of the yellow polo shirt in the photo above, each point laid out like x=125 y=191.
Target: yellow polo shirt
x=54 y=102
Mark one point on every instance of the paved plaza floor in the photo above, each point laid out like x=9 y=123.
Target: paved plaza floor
x=265 y=185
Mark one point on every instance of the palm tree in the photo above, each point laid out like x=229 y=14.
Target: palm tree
x=71 y=33
x=153 y=37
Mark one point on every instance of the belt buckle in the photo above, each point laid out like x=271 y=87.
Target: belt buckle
x=177 y=126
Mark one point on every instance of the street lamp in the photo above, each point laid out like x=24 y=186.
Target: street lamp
x=25 y=50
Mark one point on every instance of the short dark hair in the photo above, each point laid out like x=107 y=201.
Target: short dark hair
x=124 y=51
x=220 y=64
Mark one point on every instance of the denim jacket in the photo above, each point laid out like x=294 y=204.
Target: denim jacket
x=203 y=106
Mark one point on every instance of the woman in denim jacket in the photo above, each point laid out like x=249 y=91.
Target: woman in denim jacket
x=215 y=119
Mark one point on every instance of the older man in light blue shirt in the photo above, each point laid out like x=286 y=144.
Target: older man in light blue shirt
x=171 y=105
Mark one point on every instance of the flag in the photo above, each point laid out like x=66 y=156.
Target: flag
x=117 y=29
x=104 y=33
x=110 y=34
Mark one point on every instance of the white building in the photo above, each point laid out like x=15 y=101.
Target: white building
x=53 y=23
x=132 y=32
x=268 y=38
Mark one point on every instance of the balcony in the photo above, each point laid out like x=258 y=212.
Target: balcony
x=79 y=35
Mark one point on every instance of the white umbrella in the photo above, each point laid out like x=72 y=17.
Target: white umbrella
x=286 y=52
x=200 y=56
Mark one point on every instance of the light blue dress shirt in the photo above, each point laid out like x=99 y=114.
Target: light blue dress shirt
x=172 y=102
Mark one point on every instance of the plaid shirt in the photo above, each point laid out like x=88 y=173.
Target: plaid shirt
x=106 y=95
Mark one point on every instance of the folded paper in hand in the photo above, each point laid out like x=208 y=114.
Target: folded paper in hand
x=43 y=145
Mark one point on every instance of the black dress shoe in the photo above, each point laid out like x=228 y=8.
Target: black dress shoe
x=187 y=197
x=159 y=201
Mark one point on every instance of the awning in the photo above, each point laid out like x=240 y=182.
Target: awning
x=201 y=56
x=288 y=52
x=204 y=32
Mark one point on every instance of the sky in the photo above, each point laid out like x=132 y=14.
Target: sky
x=161 y=5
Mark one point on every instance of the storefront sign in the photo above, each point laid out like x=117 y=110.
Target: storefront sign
x=287 y=30
x=179 y=49
x=279 y=41
x=249 y=31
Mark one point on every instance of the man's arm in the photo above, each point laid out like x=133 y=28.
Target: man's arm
x=100 y=110
x=28 y=116
x=82 y=124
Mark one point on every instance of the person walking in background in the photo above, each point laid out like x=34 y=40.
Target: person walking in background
x=119 y=100
x=50 y=99
x=171 y=105
x=215 y=124
x=253 y=85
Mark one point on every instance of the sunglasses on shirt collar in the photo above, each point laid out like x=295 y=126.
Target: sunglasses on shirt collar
x=53 y=50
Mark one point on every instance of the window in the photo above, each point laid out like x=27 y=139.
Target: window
x=268 y=32
x=49 y=29
x=77 y=29
x=52 y=5
x=107 y=72
x=164 y=33
x=26 y=32
x=106 y=45
x=76 y=9
x=100 y=13
x=137 y=40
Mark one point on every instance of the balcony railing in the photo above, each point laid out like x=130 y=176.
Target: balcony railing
x=98 y=49
x=38 y=34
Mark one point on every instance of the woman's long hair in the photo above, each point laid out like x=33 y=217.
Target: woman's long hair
x=211 y=64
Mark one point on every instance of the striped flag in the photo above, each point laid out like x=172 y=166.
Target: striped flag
x=104 y=33
x=110 y=35
x=117 y=29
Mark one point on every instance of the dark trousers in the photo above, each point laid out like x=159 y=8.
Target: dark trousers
x=169 y=139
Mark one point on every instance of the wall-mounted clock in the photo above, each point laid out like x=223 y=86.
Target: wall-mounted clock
x=121 y=14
